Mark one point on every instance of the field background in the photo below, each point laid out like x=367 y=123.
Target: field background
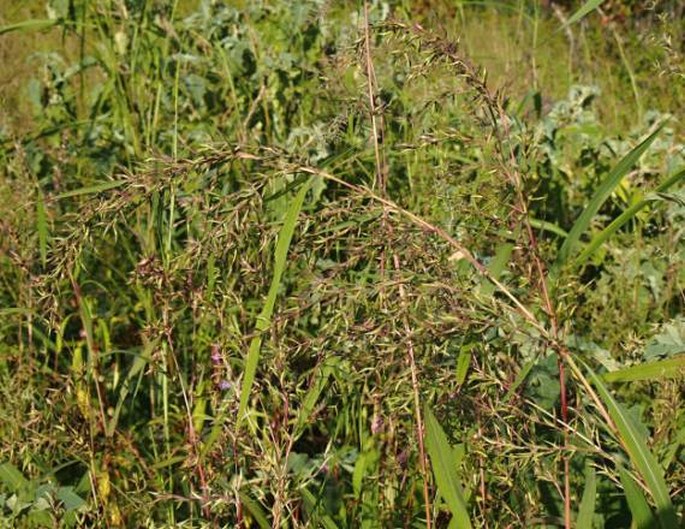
x=342 y=264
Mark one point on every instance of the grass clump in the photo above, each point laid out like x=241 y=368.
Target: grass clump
x=299 y=265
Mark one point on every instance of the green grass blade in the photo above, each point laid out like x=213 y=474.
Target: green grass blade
x=643 y=517
x=255 y=511
x=444 y=470
x=601 y=195
x=641 y=457
x=90 y=190
x=583 y=11
x=624 y=217
x=311 y=504
x=520 y=378
x=29 y=25
x=319 y=381
x=264 y=318
x=586 y=511
x=667 y=368
x=543 y=225
x=463 y=363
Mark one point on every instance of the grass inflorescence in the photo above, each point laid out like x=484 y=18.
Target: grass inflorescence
x=274 y=265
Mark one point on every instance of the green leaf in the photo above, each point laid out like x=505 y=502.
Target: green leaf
x=586 y=511
x=463 y=362
x=667 y=368
x=584 y=10
x=643 y=517
x=69 y=498
x=90 y=190
x=255 y=510
x=445 y=470
x=601 y=195
x=548 y=226
x=28 y=25
x=319 y=381
x=311 y=505
x=624 y=217
x=264 y=318
x=12 y=477
x=643 y=460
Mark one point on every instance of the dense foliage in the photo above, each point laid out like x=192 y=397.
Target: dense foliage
x=299 y=264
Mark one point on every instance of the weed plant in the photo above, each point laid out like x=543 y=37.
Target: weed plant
x=299 y=265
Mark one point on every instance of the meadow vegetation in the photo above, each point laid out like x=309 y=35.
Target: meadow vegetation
x=342 y=264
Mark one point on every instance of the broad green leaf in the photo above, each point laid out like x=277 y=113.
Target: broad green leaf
x=667 y=368
x=624 y=217
x=445 y=470
x=586 y=511
x=601 y=195
x=264 y=318
x=12 y=477
x=643 y=460
x=643 y=517
x=69 y=498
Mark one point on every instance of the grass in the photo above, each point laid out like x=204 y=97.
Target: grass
x=277 y=265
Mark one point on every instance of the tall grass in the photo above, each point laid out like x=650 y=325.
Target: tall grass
x=303 y=265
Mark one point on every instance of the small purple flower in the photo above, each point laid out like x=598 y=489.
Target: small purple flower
x=216 y=355
x=224 y=385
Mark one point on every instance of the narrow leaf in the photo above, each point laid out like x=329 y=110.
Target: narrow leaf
x=584 y=10
x=548 y=226
x=643 y=460
x=667 y=368
x=643 y=517
x=445 y=470
x=90 y=190
x=255 y=510
x=624 y=217
x=601 y=195
x=319 y=381
x=463 y=363
x=28 y=25
x=264 y=318
x=312 y=505
x=586 y=511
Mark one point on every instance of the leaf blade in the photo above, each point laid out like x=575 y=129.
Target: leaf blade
x=264 y=319
x=602 y=193
x=640 y=455
x=440 y=453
